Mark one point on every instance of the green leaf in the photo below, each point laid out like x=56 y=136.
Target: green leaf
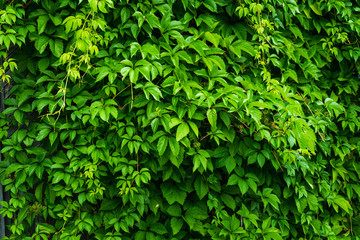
x=177 y=159
x=25 y=96
x=41 y=43
x=211 y=5
x=343 y=203
x=48 y=228
x=196 y=212
x=174 y=210
x=52 y=137
x=182 y=131
x=140 y=235
x=20 y=178
x=312 y=202
x=296 y=31
x=18 y=115
x=233 y=179
x=42 y=21
x=155 y=92
x=82 y=198
x=256 y=115
x=39 y=192
x=134 y=75
x=39 y=170
x=243 y=186
x=217 y=61
x=151 y=49
x=174 y=146
x=158 y=228
x=185 y=56
x=201 y=187
x=225 y=118
x=199 y=47
x=125 y=14
x=212 y=116
x=261 y=159
x=291 y=73
x=58 y=176
x=104 y=72
x=301 y=204
x=194 y=128
x=228 y=200
x=213 y=38
x=242 y=45
x=43 y=64
x=172 y=193
x=162 y=144
x=252 y=184
x=315 y=7
x=57 y=47
x=104 y=115
x=57 y=20
x=176 y=224
x=42 y=134
x=230 y=164
x=109 y=204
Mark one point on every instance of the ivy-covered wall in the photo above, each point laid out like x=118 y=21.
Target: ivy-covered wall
x=181 y=119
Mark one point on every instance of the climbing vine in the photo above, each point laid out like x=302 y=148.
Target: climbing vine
x=180 y=119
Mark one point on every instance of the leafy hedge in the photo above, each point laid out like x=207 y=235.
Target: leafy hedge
x=191 y=119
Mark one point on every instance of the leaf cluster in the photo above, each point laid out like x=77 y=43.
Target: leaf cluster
x=181 y=119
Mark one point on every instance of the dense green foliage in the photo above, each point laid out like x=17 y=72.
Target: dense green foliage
x=181 y=119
